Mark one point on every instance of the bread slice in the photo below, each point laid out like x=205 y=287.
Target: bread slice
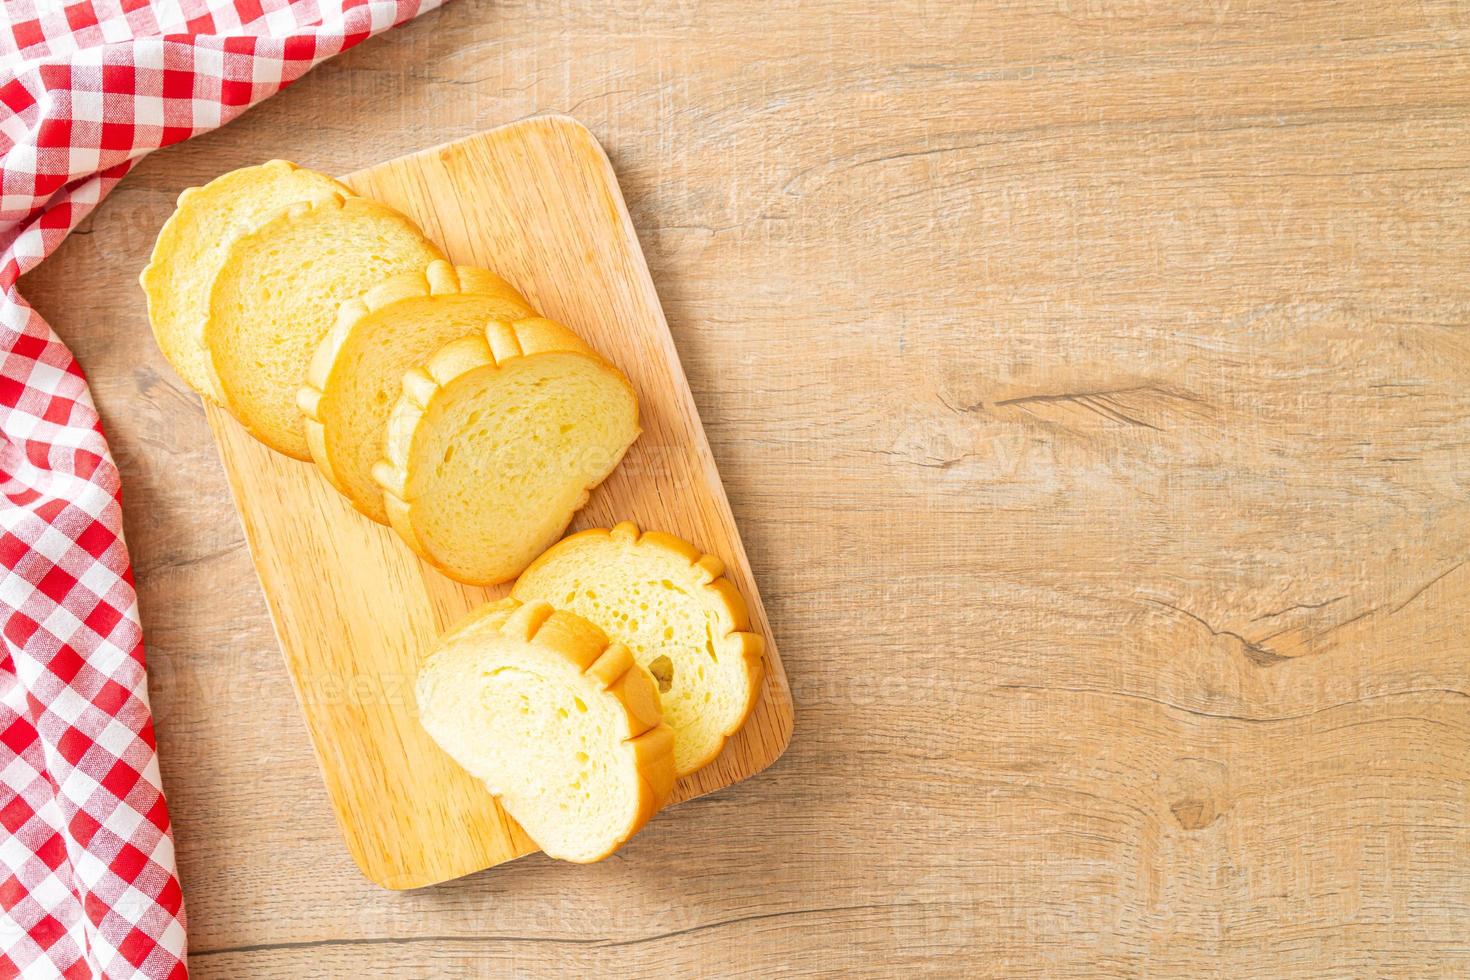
x=277 y=293
x=192 y=245
x=357 y=373
x=683 y=620
x=495 y=444
x=563 y=728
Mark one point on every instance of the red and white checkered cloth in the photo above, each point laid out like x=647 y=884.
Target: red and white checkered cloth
x=88 y=886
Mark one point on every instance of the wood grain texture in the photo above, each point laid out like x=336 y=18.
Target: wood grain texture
x=1160 y=667
x=356 y=611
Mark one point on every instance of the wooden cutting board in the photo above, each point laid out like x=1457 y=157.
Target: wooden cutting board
x=354 y=610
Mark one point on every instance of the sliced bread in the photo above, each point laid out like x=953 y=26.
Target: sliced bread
x=563 y=728
x=495 y=444
x=357 y=373
x=683 y=620
x=192 y=245
x=277 y=293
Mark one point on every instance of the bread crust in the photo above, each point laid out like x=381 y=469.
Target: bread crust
x=501 y=343
x=439 y=278
x=180 y=342
x=720 y=592
x=270 y=227
x=611 y=667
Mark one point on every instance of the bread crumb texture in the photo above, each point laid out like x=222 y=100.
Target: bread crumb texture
x=672 y=606
x=563 y=727
x=192 y=245
x=278 y=292
x=356 y=375
x=496 y=443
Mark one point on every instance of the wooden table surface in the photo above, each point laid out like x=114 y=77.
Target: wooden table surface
x=1091 y=381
